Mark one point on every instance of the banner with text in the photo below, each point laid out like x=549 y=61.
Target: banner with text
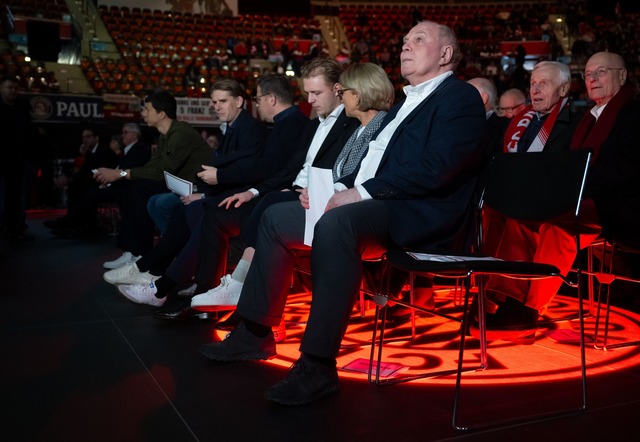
x=56 y=108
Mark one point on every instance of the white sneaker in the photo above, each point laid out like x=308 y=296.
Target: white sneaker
x=124 y=259
x=142 y=294
x=226 y=294
x=128 y=274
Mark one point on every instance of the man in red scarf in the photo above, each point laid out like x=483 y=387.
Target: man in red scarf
x=547 y=124
x=611 y=130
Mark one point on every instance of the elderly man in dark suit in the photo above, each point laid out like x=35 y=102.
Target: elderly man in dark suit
x=413 y=187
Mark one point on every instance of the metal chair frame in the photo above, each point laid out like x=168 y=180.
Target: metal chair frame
x=606 y=276
x=508 y=189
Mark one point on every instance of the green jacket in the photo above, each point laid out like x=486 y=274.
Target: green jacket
x=181 y=152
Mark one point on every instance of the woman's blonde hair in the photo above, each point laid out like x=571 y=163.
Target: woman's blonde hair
x=372 y=85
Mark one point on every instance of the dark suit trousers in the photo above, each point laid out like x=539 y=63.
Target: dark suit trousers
x=84 y=213
x=183 y=267
x=250 y=231
x=137 y=230
x=158 y=259
x=218 y=226
x=343 y=237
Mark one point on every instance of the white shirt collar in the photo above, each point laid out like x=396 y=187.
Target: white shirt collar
x=426 y=87
x=333 y=114
x=597 y=111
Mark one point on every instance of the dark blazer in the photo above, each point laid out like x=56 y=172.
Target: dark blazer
x=245 y=139
x=241 y=145
x=428 y=172
x=613 y=179
x=281 y=144
x=102 y=157
x=494 y=140
x=337 y=137
x=137 y=156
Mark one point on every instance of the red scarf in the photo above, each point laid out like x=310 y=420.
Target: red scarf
x=519 y=125
x=591 y=133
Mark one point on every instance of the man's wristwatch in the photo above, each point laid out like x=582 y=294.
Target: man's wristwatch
x=123 y=174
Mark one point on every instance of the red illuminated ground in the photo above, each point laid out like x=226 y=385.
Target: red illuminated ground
x=553 y=356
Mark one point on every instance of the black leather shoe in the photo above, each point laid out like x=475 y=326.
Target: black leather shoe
x=399 y=314
x=513 y=321
x=178 y=311
x=230 y=323
x=241 y=345
x=307 y=381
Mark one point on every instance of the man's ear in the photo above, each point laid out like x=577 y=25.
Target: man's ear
x=447 y=55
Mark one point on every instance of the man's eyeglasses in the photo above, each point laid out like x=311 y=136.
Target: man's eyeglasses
x=599 y=72
x=509 y=109
x=341 y=92
x=257 y=98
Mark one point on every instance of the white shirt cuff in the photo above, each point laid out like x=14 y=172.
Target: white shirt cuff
x=363 y=192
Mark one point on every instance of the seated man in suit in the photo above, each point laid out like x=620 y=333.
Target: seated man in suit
x=92 y=155
x=82 y=217
x=413 y=188
x=496 y=125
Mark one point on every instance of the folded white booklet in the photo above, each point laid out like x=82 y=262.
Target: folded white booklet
x=449 y=258
x=178 y=185
x=320 y=190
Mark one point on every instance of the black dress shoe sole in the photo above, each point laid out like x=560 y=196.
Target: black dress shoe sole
x=181 y=316
x=328 y=390
x=522 y=337
x=214 y=308
x=237 y=357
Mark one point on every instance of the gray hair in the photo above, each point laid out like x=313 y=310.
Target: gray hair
x=486 y=86
x=563 y=70
x=133 y=127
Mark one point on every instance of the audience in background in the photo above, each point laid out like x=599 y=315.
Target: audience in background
x=131 y=152
x=512 y=102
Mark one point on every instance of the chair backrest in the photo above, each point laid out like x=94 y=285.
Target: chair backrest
x=536 y=186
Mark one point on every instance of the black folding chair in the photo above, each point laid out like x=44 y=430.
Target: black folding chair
x=522 y=186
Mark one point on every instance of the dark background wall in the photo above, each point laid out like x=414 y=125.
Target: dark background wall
x=285 y=7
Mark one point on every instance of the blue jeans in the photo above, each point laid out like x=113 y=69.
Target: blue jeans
x=160 y=207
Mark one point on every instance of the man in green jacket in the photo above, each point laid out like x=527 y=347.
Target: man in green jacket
x=181 y=151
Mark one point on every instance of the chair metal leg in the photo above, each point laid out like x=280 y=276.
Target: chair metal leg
x=483 y=346
x=379 y=317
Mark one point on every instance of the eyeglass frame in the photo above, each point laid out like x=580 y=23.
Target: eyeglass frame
x=340 y=92
x=510 y=108
x=599 y=72
x=256 y=98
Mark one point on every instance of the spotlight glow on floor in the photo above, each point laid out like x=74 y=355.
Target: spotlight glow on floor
x=554 y=355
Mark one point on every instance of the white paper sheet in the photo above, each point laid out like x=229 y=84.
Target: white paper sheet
x=178 y=185
x=320 y=190
x=449 y=258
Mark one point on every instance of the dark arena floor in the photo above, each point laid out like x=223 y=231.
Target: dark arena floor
x=80 y=363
